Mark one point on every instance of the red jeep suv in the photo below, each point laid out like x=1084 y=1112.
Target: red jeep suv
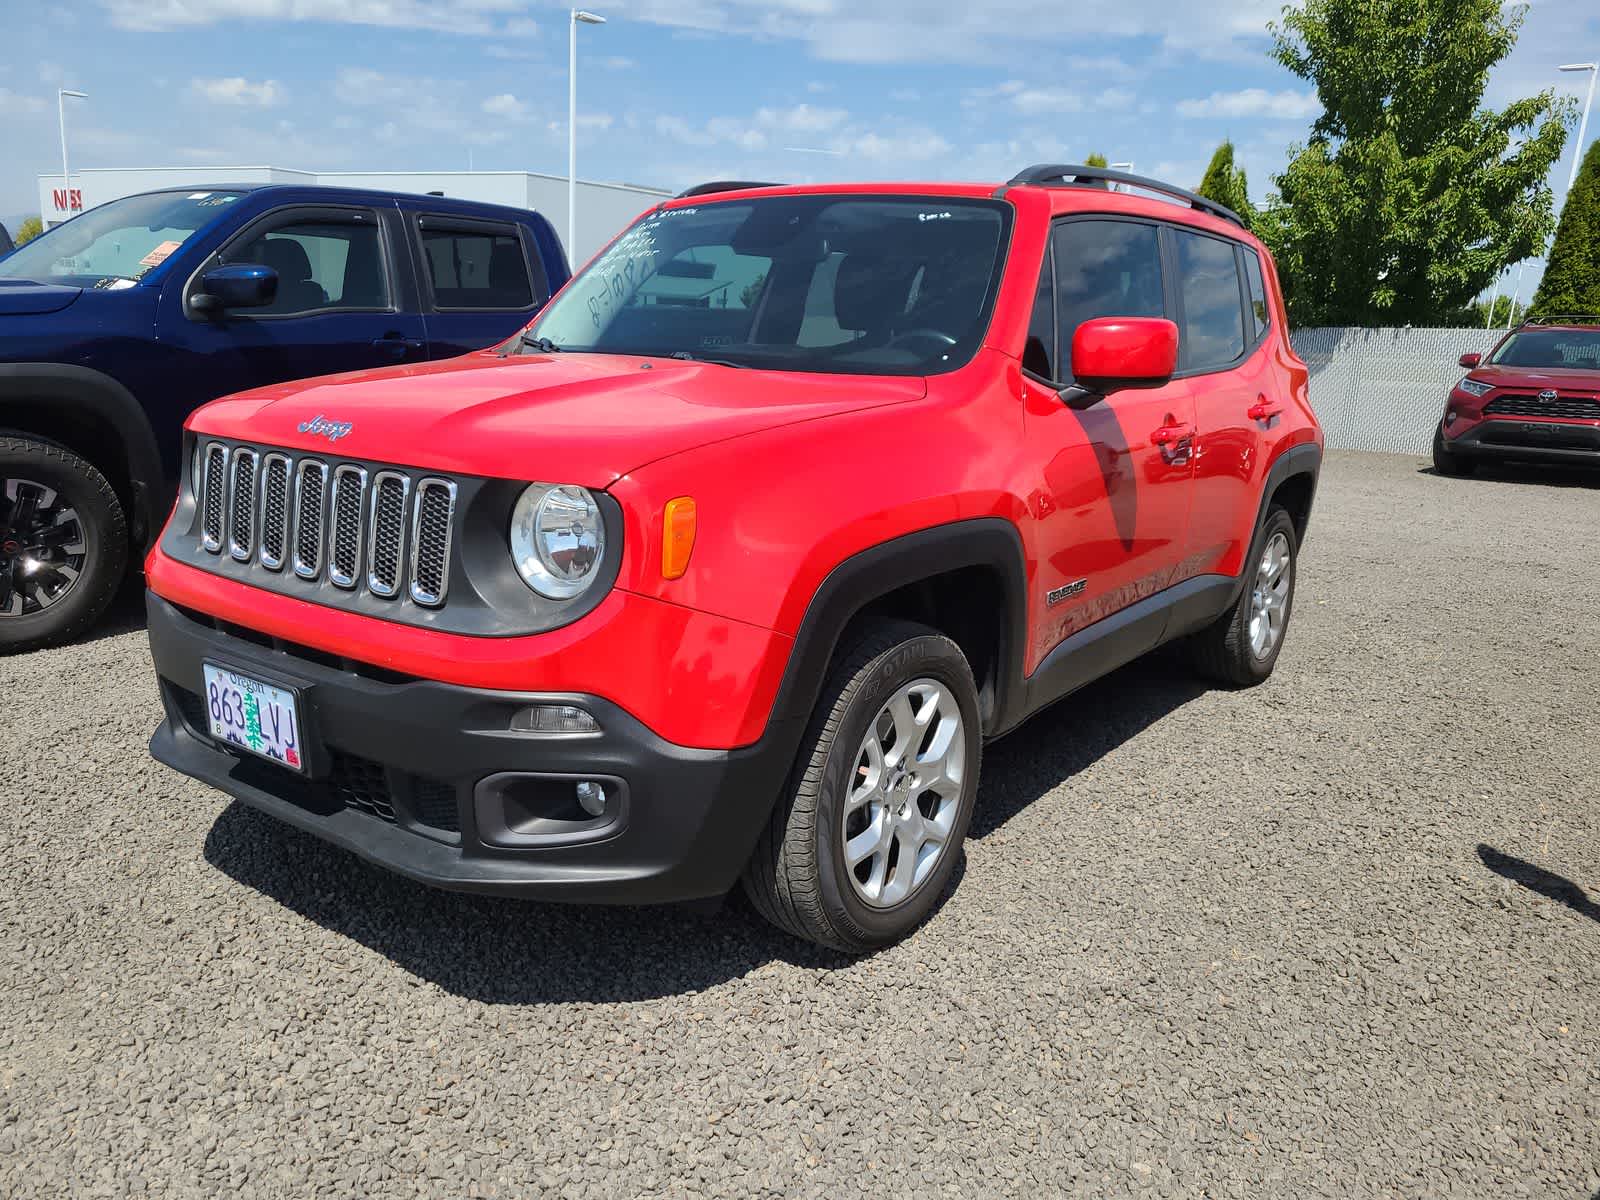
x=1535 y=396
x=729 y=565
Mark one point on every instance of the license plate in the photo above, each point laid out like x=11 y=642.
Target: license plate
x=254 y=716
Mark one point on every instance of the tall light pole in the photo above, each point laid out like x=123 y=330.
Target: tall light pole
x=1583 y=124
x=586 y=18
x=61 y=114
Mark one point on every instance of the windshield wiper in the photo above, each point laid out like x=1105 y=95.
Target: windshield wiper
x=685 y=356
x=542 y=344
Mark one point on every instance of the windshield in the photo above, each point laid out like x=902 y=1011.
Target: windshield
x=1550 y=348
x=116 y=242
x=859 y=285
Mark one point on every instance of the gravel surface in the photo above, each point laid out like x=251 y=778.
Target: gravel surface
x=1328 y=937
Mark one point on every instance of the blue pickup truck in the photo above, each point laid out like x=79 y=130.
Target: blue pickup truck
x=117 y=324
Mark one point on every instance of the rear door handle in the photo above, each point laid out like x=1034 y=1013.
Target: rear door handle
x=1261 y=410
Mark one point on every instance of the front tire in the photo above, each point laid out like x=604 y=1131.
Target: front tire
x=1444 y=462
x=865 y=840
x=1241 y=647
x=63 y=544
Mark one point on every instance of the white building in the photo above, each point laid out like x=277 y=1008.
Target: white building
x=603 y=208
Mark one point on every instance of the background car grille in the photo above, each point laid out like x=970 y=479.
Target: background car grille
x=1571 y=407
x=381 y=531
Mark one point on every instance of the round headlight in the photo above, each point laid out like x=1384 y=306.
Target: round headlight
x=557 y=539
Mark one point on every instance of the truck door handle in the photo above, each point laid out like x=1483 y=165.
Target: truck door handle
x=1261 y=410
x=1168 y=435
x=395 y=342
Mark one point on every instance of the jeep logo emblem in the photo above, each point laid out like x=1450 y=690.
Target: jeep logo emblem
x=1548 y=396
x=320 y=425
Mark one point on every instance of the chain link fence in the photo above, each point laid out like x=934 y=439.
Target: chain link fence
x=1384 y=389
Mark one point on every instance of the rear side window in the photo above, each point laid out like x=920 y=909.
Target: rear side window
x=476 y=268
x=1106 y=269
x=1258 y=293
x=1211 y=334
x=321 y=265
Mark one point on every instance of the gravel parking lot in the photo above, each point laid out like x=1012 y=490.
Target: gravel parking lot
x=1328 y=937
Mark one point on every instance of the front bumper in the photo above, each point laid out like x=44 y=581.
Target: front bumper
x=411 y=774
x=1550 y=441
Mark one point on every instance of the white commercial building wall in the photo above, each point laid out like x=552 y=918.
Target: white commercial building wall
x=603 y=208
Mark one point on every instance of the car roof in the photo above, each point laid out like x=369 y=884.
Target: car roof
x=1585 y=323
x=343 y=193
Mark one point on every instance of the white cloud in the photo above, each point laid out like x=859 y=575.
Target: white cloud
x=616 y=62
x=506 y=105
x=417 y=105
x=1287 y=105
x=16 y=104
x=238 y=91
x=470 y=17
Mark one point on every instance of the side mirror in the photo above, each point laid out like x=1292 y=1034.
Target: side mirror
x=1110 y=354
x=1471 y=360
x=236 y=285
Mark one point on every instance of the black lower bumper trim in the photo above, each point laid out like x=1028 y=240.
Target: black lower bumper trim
x=692 y=816
x=1546 y=441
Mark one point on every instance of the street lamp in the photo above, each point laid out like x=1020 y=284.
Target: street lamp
x=586 y=18
x=61 y=113
x=1583 y=124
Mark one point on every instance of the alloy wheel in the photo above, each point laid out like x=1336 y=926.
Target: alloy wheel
x=905 y=793
x=1269 y=598
x=42 y=547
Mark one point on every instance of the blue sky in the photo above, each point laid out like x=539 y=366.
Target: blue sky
x=675 y=91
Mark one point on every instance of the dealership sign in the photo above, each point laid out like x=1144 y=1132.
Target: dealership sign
x=66 y=201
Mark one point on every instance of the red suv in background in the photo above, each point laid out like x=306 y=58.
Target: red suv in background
x=1535 y=396
x=728 y=566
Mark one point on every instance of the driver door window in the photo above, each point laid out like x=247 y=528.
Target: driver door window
x=322 y=266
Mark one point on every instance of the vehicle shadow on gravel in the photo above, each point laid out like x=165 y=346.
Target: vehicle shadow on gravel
x=500 y=951
x=1529 y=473
x=1536 y=879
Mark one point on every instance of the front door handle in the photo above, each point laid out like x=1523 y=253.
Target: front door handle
x=1263 y=410
x=1169 y=435
x=398 y=344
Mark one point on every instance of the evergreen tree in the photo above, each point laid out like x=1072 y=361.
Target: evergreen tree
x=1409 y=198
x=1571 y=282
x=1227 y=185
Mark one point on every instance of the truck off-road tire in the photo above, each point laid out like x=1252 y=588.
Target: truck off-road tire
x=1241 y=647
x=1446 y=463
x=63 y=544
x=863 y=842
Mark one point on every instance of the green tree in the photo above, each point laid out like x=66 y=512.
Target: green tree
x=30 y=228
x=1409 y=197
x=1226 y=184
x=1096 y=160
x=1571 y=282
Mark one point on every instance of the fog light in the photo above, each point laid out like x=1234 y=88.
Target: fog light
x=554 y=718
x=592 y=798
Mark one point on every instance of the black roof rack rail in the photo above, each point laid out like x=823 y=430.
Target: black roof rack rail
x=1070 y=175
x=722 y=185
x=1564 y=319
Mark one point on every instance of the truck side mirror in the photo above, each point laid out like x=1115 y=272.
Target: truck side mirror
x=235 y=285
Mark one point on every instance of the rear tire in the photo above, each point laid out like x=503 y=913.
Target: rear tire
x=857 y=793
x=1241 y=647
x=1446 y=463
x=63 y=544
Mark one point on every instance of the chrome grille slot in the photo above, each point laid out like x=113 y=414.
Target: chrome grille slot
x=274 y=510
x=344 y=528
x=214 y=489
x=310 y=501
x=386 y=532
x=430 y=541
x=242 y=505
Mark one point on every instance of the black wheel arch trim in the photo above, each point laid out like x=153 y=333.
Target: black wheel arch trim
x=100 y=396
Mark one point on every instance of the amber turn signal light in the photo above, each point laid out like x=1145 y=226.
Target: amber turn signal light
x=677 y=537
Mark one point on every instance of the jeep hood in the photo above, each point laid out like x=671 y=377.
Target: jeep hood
x=567 y=418
x=20 y=298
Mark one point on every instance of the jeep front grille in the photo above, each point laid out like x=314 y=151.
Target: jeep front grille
x=387 y=532
x=1571 y=408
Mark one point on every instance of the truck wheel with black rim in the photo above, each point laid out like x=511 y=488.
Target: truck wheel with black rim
x=63 y=544
x=1241 y=647
x=863 y=843
x=1446 y=463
